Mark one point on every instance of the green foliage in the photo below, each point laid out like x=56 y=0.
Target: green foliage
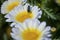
x=2 y=20
x=50 y=8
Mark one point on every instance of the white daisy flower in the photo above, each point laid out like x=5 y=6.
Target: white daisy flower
x=7 y=6
x=21 y=13
x=31 y=30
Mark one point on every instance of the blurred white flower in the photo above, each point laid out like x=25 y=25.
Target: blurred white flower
x=58 y=2
x=9 y=5
x=31 y=30
x=22 y=13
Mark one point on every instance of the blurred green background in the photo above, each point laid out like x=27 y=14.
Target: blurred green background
x=51 y=14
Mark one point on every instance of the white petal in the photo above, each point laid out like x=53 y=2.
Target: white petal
x=29 y=23
x=25 y=25
x=15 y=30
x=25 y=6
x=42 y=26
x=35 y=8
x=40 y=13
x=46 y=32
x=36 y=23
x=49 y=35
x=47 y=39
x=3 y=7
x=8 y=20
x=13 y=24
x=15 y=36
x=32 y=23
x=24 y=1
x=8 y=16
x=20 y=26
x=48 y=28
x=36 y=11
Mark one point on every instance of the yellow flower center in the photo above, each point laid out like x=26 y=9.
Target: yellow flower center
x=12 y=5
x=31 y=34
x=22 y=16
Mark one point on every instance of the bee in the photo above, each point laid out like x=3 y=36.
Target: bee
x=28 y=9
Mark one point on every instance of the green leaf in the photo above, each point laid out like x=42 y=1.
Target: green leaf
x=49 y=13
x=5 y=37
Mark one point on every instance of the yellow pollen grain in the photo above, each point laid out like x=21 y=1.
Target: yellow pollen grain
x=22 y=16
x=12 y=5
x=53 y=29
x=31 y=34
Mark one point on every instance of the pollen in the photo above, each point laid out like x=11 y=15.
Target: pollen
x=22 y=16
x=12 y=5
x=31 y=34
